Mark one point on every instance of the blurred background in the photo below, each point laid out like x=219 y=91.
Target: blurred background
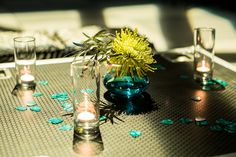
x=168 y=24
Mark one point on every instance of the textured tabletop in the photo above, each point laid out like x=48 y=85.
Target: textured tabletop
x=29 y=134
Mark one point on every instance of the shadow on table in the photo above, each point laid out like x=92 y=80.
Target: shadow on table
x=87 y=148
x=130 y=106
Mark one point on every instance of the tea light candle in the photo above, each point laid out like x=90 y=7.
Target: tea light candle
x=203 y=67
x=27 y=78
x=86 y=107
x=86 y=116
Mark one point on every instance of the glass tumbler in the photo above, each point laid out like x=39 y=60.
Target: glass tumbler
x=25 y=59
x=204 y=43
x=86 y=96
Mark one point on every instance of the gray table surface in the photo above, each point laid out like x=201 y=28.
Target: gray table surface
x=28 y=134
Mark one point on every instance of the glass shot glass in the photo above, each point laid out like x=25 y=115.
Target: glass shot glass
x=86 y=97
x=204 y=43
x=25 y=59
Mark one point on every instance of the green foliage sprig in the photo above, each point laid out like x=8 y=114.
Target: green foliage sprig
x=126 y=48
x=99 y=45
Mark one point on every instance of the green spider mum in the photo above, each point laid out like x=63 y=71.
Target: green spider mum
x=132 y=51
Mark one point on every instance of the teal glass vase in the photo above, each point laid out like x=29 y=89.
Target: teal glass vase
x=125 y=86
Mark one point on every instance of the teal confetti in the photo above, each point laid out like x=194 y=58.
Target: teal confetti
x=66 y=105
x=231 y=128
x=21 y=108
x=31 y=103
x=135 y=133
x=35 y=108
x=63 y=96
x=69 y=109
x=58 y=95
x=86 y=91
x=43 y=82
x=216 y=128
x=229 y=131
x=223 y=121
x=55 y=120
x=221 y=82
x=226 y=125
x=202 y=123
x=167 y=122
x=185 y=120
x=102 y=118
x=37 y=94
x=66 y=127
x=210 y=82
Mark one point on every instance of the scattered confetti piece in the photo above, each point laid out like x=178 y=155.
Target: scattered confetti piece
x=231 y=128
x=135 y=133
x=62 y=99
x=202 y=123
x=67 y=107
x=55 y=120
x=226 y=125
x=31 y=103
x=37 y=94
x=66 y=127
x=210 y=82
x=167 y=122
x=223 y=83
x=196 y=98
x=21 y=108
x=212 y=85
x=185 y=120
x=184 y=77
x=223 y=121
x=102 y=118
x=216 y=128
x=43 y=82
x=35 y=108
x=86 y=91
x=60 y=96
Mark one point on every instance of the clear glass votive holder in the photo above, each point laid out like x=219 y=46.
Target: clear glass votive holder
x=204 y=43
x=25 y=59
x=86 y=97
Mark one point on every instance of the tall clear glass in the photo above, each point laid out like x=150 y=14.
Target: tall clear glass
x=25 y=59
x=204 y=43
x=86 y=97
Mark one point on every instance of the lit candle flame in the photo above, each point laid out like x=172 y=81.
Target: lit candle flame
x=27 y=78
x=86 y=116
x=203 y=67
x=86 y=109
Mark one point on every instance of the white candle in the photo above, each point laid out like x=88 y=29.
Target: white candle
x=86 y=109
x=203 y=67
x=27 y=78
x=86 y=116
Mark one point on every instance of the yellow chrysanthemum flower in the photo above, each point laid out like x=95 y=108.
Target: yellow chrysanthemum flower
x=133 y=52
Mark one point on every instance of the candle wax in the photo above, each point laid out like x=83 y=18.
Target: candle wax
x=86 y=116
x=203 y=69
x=27 y=78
